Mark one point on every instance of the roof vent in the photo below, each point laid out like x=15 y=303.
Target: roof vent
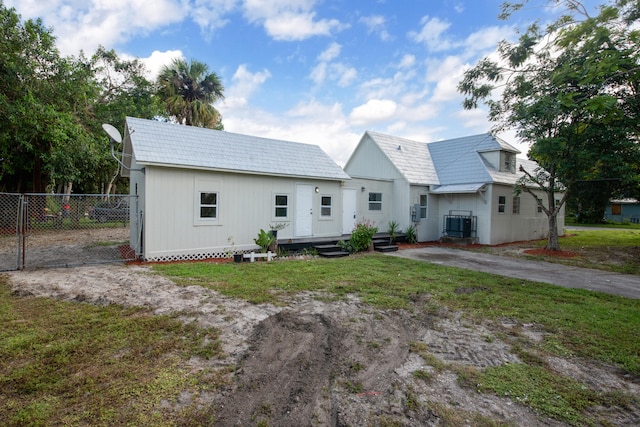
x=399 y=148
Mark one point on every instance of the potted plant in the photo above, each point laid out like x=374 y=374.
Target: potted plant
x=278 y=226
x=231 y=251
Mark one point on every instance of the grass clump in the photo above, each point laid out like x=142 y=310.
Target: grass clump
x=75 y=364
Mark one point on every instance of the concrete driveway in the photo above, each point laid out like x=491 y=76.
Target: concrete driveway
x=625 y=285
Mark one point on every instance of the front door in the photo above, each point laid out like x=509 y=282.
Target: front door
x=303 y=223
x=348 y=210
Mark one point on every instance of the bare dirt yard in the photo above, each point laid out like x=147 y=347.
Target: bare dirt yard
x=313 y=362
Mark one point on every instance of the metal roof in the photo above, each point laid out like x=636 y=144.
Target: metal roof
x=411 y=158
x=167 y=144
x=458 y=188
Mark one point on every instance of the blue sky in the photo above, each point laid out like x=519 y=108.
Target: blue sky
x=312 y=71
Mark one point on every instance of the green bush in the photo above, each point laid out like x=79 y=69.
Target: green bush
x=411 y=234
x=264 y=240
x=362 y=235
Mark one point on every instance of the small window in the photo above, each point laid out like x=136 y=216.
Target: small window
x=281 y=206
x=375 y=201
x=516 y=205
x=502 y=204
x=208 y=205
x=325 y=206
x=423 y=206
x=616 y=209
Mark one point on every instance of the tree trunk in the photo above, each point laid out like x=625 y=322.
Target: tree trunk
x=552 y=242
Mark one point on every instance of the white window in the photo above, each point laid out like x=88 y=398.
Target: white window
x=326 y=206
x=423 y=206
x=375 y=201
x=516 y=205
x=502 y=204
x=281 y=206
x=208 y=205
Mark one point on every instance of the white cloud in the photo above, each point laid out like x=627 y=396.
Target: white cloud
x=210 y=14
x=81 y=25
x=432 y=34
x=374 y=110
x=156 y=61
x=334 y=71
x=407 y=61
x=244 y=84
x=376 y=24
x=330 y=53
x=289 y=20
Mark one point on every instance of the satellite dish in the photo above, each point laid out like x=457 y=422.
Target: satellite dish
x=113 y=133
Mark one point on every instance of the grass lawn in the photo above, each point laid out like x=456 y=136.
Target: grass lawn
x=67 y=363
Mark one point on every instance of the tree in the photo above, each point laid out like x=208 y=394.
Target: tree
x=188 y=91
x=52 y=108
x=572 y=91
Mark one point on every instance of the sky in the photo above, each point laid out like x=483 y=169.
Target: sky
x=314 y=71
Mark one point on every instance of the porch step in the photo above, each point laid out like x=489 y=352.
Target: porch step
x=333 y=254
x=386 y=248
x=327 y=248
x=380 y=242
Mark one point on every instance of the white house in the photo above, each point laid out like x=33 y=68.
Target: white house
x=461 y=187
x=203 y=193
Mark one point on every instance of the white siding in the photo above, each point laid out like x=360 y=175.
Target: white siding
x=245 y=205
x=368 y=161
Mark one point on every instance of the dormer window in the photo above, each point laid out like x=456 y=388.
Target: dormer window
x=508 y=162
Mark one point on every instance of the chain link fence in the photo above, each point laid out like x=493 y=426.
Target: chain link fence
x=53 y=230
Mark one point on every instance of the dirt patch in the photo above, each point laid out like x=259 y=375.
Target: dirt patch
x=332 y=363
x=549 y=253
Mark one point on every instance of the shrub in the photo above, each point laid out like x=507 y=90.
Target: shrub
x=411 y=234
x=264 y=240
x=362 y=235
x=393 y=231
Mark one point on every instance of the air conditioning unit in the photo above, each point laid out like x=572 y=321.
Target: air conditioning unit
x=458 y=226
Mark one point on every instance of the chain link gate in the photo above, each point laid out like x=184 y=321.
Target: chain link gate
x=54 y=230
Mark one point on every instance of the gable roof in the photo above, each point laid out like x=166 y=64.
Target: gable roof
x=412 y=159
x=157 y=143
x=455 y=165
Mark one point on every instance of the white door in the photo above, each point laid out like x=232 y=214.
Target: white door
x=348 y=210
x=303 y=223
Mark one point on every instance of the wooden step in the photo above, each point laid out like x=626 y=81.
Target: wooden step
x=327 y=248
x=334 y=254
x=386 y=248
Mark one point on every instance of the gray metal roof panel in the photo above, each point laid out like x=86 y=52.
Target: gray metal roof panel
x=162 y=143
x=411 y=158
x=458 y=188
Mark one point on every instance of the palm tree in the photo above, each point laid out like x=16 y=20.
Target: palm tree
x=188 y=91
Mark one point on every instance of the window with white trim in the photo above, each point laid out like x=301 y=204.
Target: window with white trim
x=326 y=203
x=375 y=201
x=281 y=206
x=423 y=206
x=516 y=205
x=502 y=204
x=208 y=205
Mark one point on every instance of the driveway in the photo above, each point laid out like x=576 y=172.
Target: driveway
x=625 y=285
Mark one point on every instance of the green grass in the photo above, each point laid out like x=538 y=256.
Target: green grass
x=584 y=323
x=616 y=250
x=76 y=364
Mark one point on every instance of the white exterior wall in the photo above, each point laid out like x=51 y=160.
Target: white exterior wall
x=379 y=218
x=529 y=224
x=428 y=229
x=173 y=230
x=462 y=204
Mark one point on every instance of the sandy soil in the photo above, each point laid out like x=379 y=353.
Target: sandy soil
x=333 y=363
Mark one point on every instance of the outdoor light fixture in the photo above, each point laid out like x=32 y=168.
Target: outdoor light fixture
x=317 y=189
x=362 y=189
